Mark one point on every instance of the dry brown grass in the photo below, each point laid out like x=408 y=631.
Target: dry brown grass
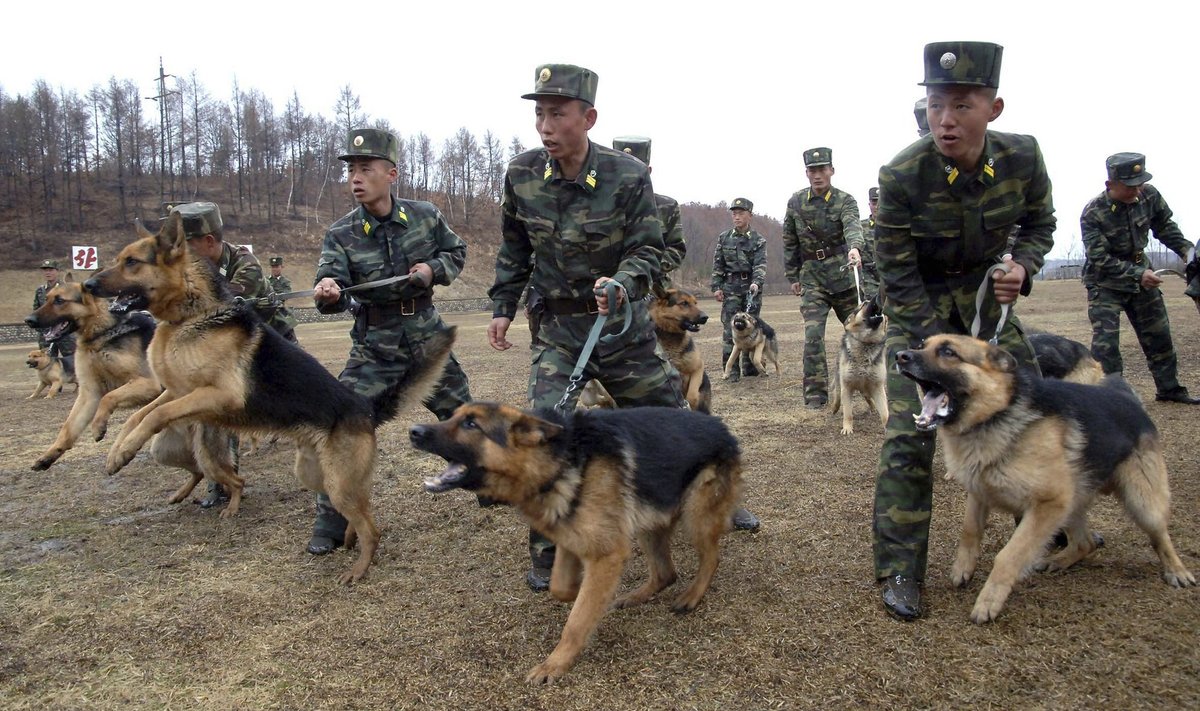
x=112 y=598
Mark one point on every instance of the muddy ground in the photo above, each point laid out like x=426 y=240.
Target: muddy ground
x=113 y=598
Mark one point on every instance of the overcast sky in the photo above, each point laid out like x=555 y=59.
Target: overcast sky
x=730 y=93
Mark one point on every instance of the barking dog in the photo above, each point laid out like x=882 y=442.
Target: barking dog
x=862 y=365
x=752 y=335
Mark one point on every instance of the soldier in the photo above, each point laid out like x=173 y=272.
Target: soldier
x=822 y=240
x=919 y=111
x=383 y=237
x=738 y=276
x=62 y=347
x=946 y=207
x=668 y=213
x=870 y=277
x=1119 y=277
x=279 y=283
x=243 y=276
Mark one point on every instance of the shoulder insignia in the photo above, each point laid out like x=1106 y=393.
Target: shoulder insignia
x=402 y=215
x=591 y=178
x=549 y=171
x=951 y=175
x=366 y=225
x=989 y=171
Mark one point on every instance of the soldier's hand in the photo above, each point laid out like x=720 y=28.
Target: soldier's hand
x=1150 y=280
x=327 y=291
x=754 y=288
x=853 y=257
x=797 y=289
x=1007 y=285
x=602 y=304
x=497 y=330
x=719 y=296
x=422 y=273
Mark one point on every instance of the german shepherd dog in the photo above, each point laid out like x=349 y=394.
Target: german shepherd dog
x=219 y=364
x=862 y=364
x=676 y=317
x=1060 y=357
x=752 y=335
x=593 y=481
x=1039 y=448
x=110 y=362
x=51 y=374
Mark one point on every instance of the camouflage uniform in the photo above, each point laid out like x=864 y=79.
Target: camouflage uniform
x=392 y=322
x=244 y=277
x=739 y=260
x=560 y=235
x=279 y=284
x=869 y=274
x=1115 y=235
x=675 y=248
x=818 y=231
x=64 y=346
x=938 y=232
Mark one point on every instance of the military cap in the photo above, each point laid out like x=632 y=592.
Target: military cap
x=372 y=143
x=742 y=204
x=922 y=117
x=873 y=195
x=49 y=264
x=199 y=218
x=636 y=146
x=814 y=157
x=277 y=261
x=970 y=63
x=564 y=80
x=1128 y=168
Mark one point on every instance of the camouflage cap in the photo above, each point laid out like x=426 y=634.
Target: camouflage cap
x=742 y=204
x=873 y=195
x=49 y=264
x=814 y=157
x=277 y=261
x=636 y=146
x=1128 y=168
x=970 y=63
x=564 y=80
x=919 y=111
x=199 y=218
x=372 y=143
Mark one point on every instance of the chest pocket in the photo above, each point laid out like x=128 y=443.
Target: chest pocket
x=938 y=240
x=598 y=246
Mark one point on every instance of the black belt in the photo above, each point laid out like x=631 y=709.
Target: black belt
x=825 y=253
x=376 y=314
x=571 y=307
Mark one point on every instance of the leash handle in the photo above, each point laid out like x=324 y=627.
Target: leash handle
x=611 y=289
x=857 y=284
x=981 y=294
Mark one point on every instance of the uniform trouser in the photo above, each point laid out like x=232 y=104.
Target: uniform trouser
x=815 y=305
x=635 y=372
x=1148 y=315
x=904 y=487
x=370 y=377
x=734 y=303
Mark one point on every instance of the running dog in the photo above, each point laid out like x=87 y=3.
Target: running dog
x=51 y=374
x=676 y=317
x=1042 y=449
x=752 y=335
x=594 y=481
x=220 y=365
x=862 y=365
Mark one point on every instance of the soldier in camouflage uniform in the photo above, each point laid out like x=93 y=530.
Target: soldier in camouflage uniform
x=383 y=237
x=62 y=347
x=575 y=216
x=947 y=205
x=870 y=277
x=1119 y=277
x=279 y=283
x=738 y=276
x=668 y=213
x=822 y=239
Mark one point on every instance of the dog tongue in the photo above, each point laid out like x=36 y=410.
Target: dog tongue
x=446 y=480
x=56 y=331
x=934 y=405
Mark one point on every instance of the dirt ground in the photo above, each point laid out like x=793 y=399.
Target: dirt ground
x=113 y=598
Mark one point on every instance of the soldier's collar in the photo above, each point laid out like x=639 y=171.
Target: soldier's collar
x=987 y=162
x=826 y=197
x=226 y=257
x=588 y=174
x=1114 y=205
x=369 y=223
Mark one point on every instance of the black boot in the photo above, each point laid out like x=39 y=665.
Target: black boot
x=329 y=530
x=743 y=520
x=216 y=494
x=902 y=597
x=541 y=559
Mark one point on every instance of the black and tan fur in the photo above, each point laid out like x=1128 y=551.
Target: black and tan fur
x=676 y=317
x=862 y=365
x=752 y=335
x=110 y=362
x=220 y=365
x=51 y=374
x=1042 y=449
x=594 y=482
x=1060 y=357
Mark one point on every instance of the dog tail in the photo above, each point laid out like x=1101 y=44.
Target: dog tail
x=419 y=383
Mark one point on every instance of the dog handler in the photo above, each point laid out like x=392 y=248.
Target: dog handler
x=738 y=275
x=947 y=205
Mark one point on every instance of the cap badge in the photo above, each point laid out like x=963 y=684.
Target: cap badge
x=627 y=150
x=948 y=60
x=358 y=141
x=544 y=75
x=1137 y=168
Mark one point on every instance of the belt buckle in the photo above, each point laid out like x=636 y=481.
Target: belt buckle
x=412 y=307
x=820 y=254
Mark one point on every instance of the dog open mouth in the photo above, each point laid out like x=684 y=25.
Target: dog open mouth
x=58 y=330
x=936 y=406
x=690 y=326
x=451 y=478
x=126 y=302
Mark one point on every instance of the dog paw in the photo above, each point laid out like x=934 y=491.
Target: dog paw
x=117 y=459
x=1181 y=578
x=99 y=432
x=545 y=673
x=988 y=605
x=43 y=463
x=847 y=429
x=961 y=574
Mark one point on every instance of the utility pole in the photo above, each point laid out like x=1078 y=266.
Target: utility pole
x=166 y=151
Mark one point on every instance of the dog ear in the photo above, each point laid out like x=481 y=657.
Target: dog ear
x=530 y=431
x=1001 y=359
x=171 y=239
x=140 y=229
x=69 y=278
